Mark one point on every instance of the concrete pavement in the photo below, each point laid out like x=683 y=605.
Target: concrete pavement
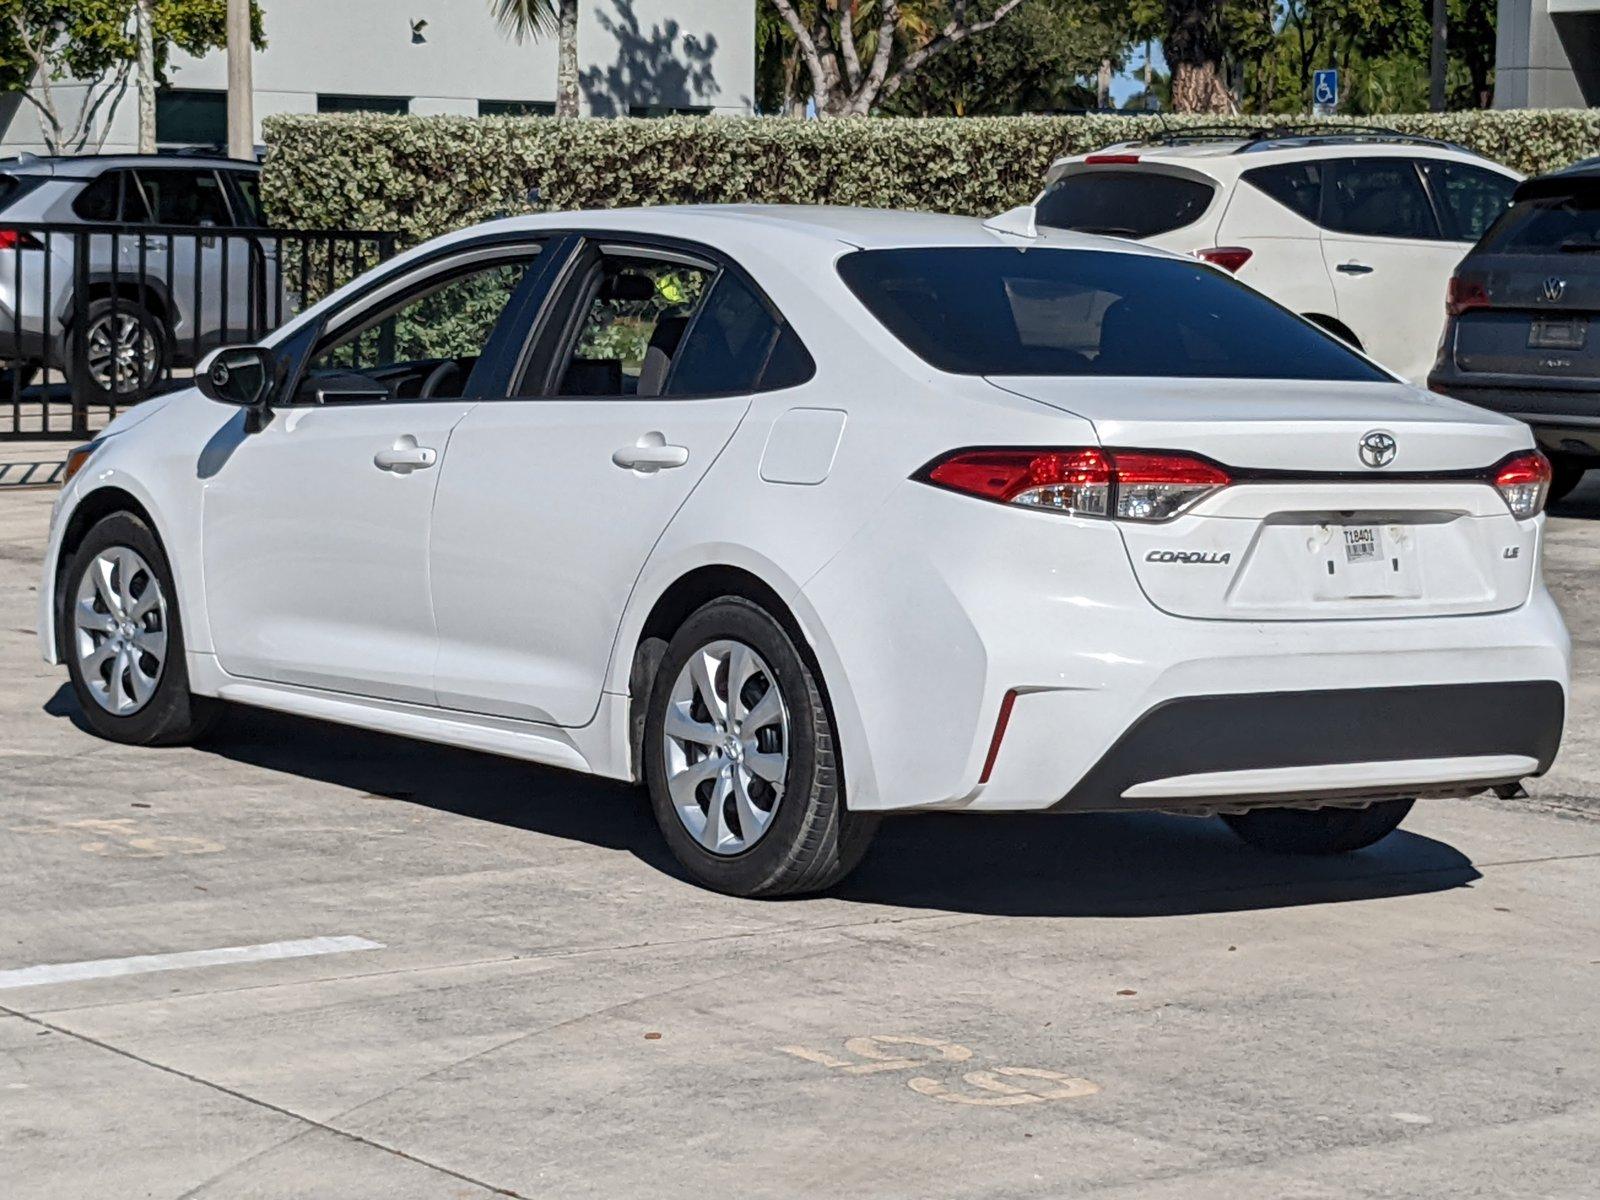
x=1115 y=1006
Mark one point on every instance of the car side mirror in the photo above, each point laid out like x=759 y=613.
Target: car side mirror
x=242 y=376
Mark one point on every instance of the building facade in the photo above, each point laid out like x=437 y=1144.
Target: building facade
x=1547 y=54
x=635 y=57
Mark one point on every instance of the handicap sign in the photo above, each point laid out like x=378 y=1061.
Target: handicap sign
x=1325 y=89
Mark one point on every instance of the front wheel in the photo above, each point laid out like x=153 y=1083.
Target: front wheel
x=1318 y=830
x=741 y=759
x=124 y=352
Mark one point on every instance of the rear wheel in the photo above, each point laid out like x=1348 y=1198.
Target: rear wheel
x=1318 y=830
x=123 y=355
x=741 y=760
x=1567 y=474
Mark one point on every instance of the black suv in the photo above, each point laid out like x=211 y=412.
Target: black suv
x=1523 y=335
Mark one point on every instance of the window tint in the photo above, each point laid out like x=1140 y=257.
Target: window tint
x=1296 y=186
x=425 y=344
x=1132 y=204
x=998 y=311
x=635 y=312
x=790 y=364
x=247 y=187
x=1561 y=220
x=1470 y=199
x=184 y=197
x=102 y=199
x=728 y=344
x=1377 y=197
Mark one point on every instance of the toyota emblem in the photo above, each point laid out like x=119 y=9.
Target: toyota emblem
x=1377 y=448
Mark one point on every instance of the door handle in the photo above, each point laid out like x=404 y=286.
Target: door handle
x=650 y=456
x=1353 y=268
x=405 y=457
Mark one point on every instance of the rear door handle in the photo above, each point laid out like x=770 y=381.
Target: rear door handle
x=650 y=457
x=1353 y=268
x=405 y=457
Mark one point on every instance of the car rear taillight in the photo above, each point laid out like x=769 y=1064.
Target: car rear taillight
x=1523 y=481
x=1466 y=292
x=1130 y=485
x=1229 y=258
x=18 y=239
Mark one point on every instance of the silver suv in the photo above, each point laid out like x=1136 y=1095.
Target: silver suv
x=141 y=302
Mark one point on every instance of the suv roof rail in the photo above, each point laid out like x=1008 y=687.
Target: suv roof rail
x=1273 y=137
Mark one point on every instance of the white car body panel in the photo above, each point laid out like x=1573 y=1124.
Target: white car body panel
x=542 y=561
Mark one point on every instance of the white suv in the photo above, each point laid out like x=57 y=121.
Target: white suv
x=1357 y=230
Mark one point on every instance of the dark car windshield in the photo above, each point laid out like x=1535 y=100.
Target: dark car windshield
x=979 y=310
x=1134 y=204
x=1561 y=221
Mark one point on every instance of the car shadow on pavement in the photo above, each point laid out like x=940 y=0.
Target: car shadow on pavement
x=1583 y=502
x=1090 y=865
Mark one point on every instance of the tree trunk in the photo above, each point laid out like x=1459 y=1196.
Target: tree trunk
x=567 y=60
x=1194 y=50
x=1103 y=90
x=146 y=72
x=1199 y=88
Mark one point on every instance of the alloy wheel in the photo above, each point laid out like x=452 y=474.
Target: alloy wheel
x=726 y=741
x=120 y=630
x=121 y=352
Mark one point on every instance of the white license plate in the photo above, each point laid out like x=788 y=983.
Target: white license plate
x=1362 y=543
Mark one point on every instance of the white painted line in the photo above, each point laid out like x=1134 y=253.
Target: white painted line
x=106 y=968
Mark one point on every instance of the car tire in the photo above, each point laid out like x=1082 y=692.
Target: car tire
x=751 y=800
x=1318 y=830
x=151 y=344
x=123 y=644
x=1567 y=474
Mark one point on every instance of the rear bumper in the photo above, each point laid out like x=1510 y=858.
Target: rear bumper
x=1564 y=414
x=1346 y=743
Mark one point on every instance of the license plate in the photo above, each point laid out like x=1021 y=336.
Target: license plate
x=1558 y=333
x=1362 y=543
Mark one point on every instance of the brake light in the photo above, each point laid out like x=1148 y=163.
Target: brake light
x=1523 y=481
x=1466 y=292
x=1130 y=485
x=1105 y=159
x=1229 y=258
x=18 y=239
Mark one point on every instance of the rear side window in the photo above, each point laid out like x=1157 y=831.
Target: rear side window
x=1377 y=197
x=103 y=200
x=14 y=186
x=727 y=345
x=1559 y=222
x=1470 y=199
x=1296 y=186
x=979 y=310
x=1132 y=204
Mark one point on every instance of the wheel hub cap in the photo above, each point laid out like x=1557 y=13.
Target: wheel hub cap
x=119 y=630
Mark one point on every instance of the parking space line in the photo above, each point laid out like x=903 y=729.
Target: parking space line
x=105 y=968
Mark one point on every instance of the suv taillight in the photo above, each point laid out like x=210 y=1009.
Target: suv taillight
x=1523 y=481
x=19 y=239
x=1229 y=258
x=1130 y=485
x=1465 y=293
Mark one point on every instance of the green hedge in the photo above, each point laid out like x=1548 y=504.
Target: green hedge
x=422 y=176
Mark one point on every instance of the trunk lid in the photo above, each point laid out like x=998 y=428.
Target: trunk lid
x=1308 y=530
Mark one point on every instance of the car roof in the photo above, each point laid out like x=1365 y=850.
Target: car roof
x=744 y=226
x=1228 y=157
x=89 y=166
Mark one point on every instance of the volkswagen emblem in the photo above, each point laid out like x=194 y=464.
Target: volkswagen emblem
x=1377 y=448
x=1553 y=289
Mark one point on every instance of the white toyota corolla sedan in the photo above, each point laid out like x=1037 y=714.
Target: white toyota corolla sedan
x=801 y=516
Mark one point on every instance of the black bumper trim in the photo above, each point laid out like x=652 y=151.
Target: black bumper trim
x=1263 y=730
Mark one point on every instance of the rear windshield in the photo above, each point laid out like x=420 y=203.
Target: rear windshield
x=1132 y=204
x=1568 y=222
x=979 y=310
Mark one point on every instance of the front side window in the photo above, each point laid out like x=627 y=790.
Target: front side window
x=184 y=197
x=423 y=345
x=1470 y=199
x=978 y=310
x=1377 y=197
x=1133 y=204
x=247 y=187
x=635 y=310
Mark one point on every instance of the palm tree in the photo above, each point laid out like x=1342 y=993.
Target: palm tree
x=524 y=19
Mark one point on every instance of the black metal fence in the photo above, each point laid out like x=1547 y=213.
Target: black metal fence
x=94 y=318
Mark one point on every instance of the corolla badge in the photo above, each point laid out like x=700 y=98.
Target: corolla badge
x=1553 y=288
x=1377 y=448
